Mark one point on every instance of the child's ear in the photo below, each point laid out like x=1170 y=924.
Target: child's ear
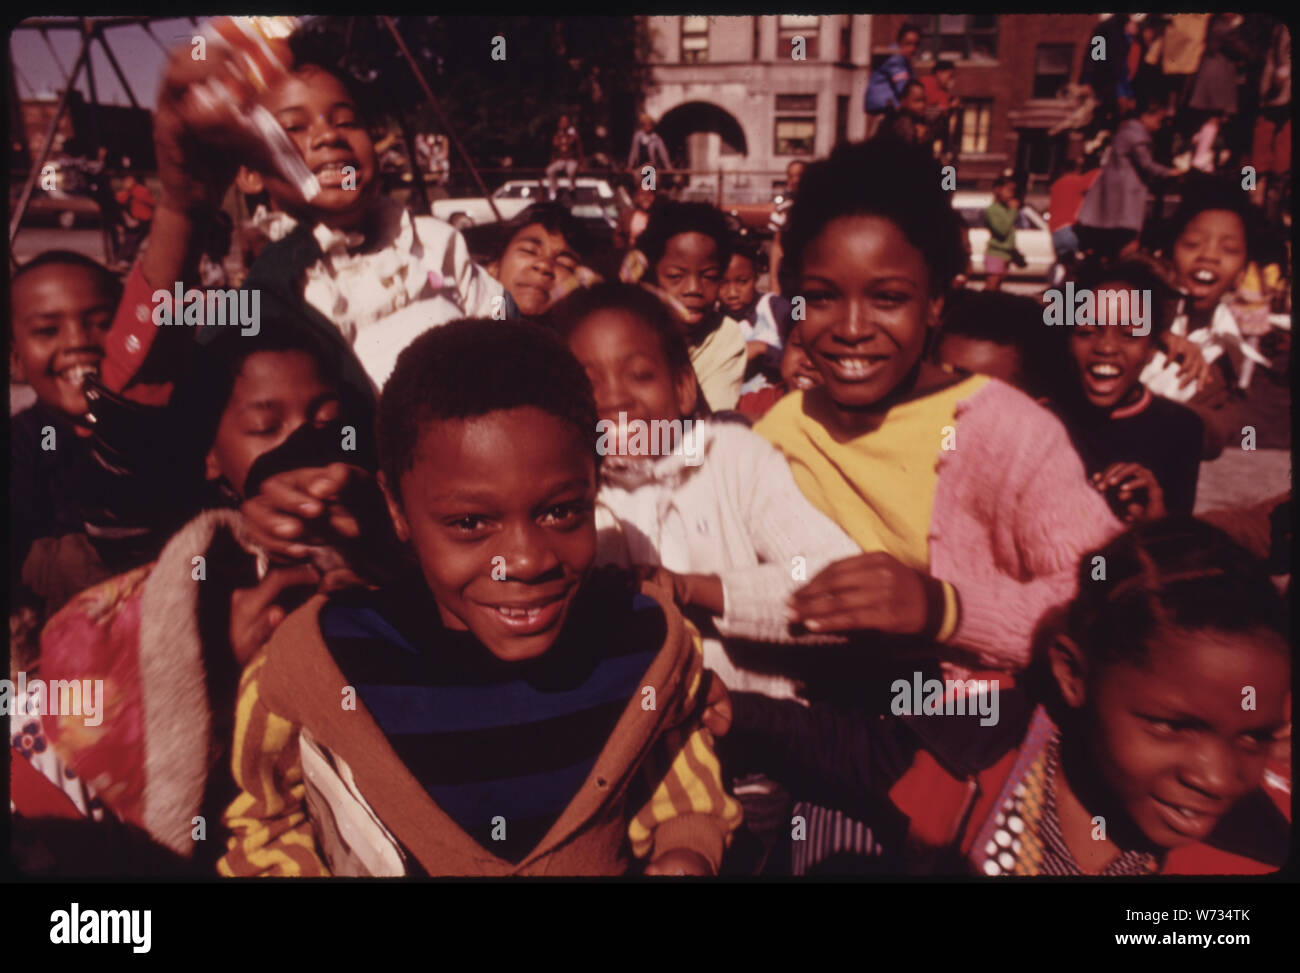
x=494 y=269
x=211 y=468
x=17 y=373
x=1070 y=669
x=249 y=182
x=688 y=391
x=934 y=311
x=395 y=514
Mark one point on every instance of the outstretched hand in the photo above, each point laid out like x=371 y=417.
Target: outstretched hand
x=875 y=592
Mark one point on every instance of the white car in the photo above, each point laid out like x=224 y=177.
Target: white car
x=1033 y=237
x=593 y=199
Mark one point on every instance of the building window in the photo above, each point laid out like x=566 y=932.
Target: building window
x=1051 y=69
x=846 y=44
x=801 y=103
x=976 y=120
x=958 y=37
x=795 y=136
x=790 y=27
x=695 y=39
x=841 y=118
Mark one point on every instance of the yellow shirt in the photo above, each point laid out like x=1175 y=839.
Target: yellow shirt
x=719 y=362
x=879 y=485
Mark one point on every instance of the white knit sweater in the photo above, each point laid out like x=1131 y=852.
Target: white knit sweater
x=737 y=514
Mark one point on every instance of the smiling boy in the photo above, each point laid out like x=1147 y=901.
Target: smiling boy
x=61 y=305
x=503 y=711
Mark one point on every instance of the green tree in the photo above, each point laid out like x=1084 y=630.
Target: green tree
x=592 y=68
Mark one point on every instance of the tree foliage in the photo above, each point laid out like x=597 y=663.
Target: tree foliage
x=591 y=68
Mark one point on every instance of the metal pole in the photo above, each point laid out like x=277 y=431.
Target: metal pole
x=154 y=37
x=39 y=161
x=117 y=68
x=55 y=55
x=451 y=134
x=93 y=114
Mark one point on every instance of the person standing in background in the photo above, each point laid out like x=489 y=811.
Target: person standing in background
x=941 y=107
x=1271 y=142
x=888 y=82
x=1114 y=209
x=566 y=155
x=647 y=148
x=137 y=206
x=793 y=173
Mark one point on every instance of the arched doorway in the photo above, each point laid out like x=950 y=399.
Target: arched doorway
x=699 y=134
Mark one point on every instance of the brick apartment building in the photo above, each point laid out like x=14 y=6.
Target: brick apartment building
x=731 y=98
x=1010 y=68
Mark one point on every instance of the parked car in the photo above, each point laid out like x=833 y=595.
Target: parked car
x=54 y=207
x=595 y=204
x=593 y=199
x=1033 y=237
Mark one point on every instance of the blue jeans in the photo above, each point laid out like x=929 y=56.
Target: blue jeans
x=1065 y=242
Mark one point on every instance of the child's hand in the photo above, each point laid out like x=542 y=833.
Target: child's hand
x=198 y=141
x=253 y=612
x=278 y=515
x=1133 y=489
x=1192 y=366
x=874 y=591
x=679 y=861
x=717 y=711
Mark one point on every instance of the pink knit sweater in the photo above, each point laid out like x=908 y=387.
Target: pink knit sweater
x=1013 y=515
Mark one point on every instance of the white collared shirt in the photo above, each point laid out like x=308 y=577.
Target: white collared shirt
x=1222 y=336
x=419 y=276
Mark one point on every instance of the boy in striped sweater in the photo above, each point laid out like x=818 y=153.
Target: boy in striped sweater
x=503 y=711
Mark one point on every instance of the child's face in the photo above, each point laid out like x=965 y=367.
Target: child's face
x=323 y=121
x=508 y=493
x=914 y=100
x=738 y=285
x=1171 y=738
x=61 y=315
x=945 y=77
x=868 y=308
x=797 y=369
x=534 y=264
x=274 y=394
x=1005 y=192
x=690 y=271
x=644 y=199
x=980 y=357
x=1210 y=256
x=1107 y=358
x=628 y=369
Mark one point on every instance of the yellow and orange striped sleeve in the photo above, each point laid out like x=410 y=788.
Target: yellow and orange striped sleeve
x=690 y=808
x=272 y=834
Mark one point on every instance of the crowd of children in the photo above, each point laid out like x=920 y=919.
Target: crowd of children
x=462 y=560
